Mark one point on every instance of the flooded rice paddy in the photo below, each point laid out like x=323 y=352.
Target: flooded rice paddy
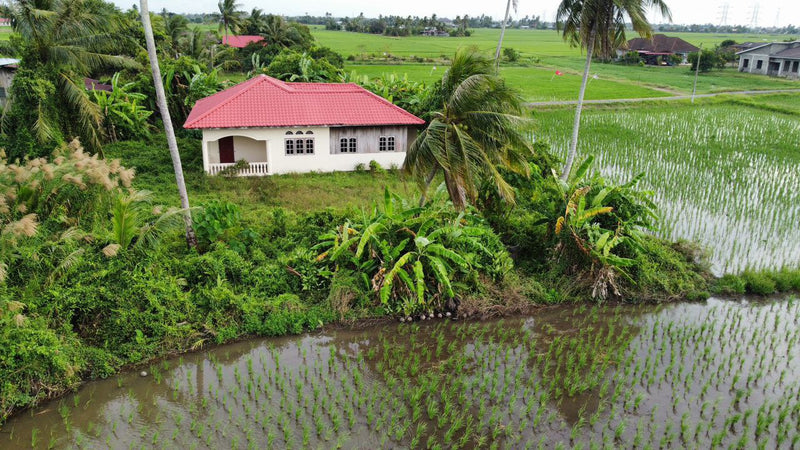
x=724 y=176
x=702 y=375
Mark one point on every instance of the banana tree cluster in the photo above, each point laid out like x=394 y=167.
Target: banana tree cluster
x=415 y=259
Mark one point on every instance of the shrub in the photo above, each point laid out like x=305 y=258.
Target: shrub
x=220 y=221
x=376 y=168
x=759 y=283
x=730 y=284
x=510 y=54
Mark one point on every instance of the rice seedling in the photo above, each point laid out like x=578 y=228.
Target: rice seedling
x=748 y=219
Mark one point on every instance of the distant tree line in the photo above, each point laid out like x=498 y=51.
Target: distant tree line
x=711 y=28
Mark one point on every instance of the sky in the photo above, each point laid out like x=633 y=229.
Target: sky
x=769 y=12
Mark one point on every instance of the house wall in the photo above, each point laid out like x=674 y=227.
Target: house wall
x=246 y=148
x=368 y=137
x=6 y=77
x=322 y=160
x=754 y=57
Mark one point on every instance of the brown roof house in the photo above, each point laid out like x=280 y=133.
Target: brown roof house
x=660 y=45
x=777 y=59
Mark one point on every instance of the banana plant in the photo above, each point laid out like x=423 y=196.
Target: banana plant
x=413 y=257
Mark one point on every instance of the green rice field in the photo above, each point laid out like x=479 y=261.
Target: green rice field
x=552 y=53
x=534 y=83
x=724 y=175
x=715 y=375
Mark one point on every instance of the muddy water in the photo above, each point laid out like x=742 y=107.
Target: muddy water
x=685 y=375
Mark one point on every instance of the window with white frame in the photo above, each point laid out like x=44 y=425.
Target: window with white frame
x=386 y=144
x=348 y=145
x=299 y=146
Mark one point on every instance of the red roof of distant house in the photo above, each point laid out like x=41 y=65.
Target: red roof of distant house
x=660 y=43
x=266 y=102
x=240 y=41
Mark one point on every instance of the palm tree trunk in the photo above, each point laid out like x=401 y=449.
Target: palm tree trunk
x=573 y=144
x=502 y=33
x=458 y=195
x=424 y=197
x=191 y=239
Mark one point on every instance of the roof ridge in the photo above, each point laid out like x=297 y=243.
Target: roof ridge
x=244 y=88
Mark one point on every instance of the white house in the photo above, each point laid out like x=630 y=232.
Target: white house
x=777 y=59
x=279 y=127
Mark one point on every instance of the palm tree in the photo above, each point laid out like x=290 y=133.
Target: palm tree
x=62 y=42
x=230 y=16
x=175 y=26
x=598 y=26
x=256 y=22
x=510 y=3
x=191 y=239
x=478 y=130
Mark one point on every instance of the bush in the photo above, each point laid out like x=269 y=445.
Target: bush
x=708 y=60
x=510 y=54
x=376 y=168
x=730 y=284
x=759 y=283
x=216 y=221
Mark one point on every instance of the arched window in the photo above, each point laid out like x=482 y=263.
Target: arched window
x=309 y=132
x=299 y=132
x=289 y=133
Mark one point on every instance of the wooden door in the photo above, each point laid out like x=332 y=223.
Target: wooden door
x=226 y=150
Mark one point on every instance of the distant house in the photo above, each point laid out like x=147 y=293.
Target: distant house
x=777 y=59
x=745 y=46
x=4 y=22
x=241 y=41
x=661 y=45
x=433 y=31
x=9 y=66
x=279 y=127
x=95 y=85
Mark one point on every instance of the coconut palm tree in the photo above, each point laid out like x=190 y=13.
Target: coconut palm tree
x=515 y=4
x=175 y=26
x=598 y=26
x=229 y=16
x=61 y=42
x=161 y=98
x=256 y=22
x=479 y=129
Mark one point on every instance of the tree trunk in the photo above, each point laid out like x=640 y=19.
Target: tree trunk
x=502 y=33
x=424 y=197
x=458 y=195
x=573 y=144
x=191 y=239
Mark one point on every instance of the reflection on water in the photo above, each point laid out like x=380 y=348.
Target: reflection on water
x=715 y=373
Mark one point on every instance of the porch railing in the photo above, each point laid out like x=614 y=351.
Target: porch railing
x=253 y=169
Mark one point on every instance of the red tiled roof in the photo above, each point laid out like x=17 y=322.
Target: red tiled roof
x=240 y=41
x=267 y=102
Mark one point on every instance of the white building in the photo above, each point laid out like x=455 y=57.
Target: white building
x=778 y=59
x=279 y=127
